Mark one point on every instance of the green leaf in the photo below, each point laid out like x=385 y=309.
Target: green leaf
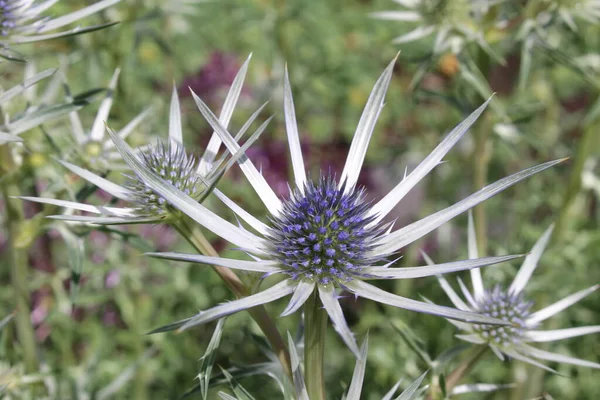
x=208 y=359
x=75 y=257
x=14 y=91
x=409 y=337
x=238 y=390
x=37 y=117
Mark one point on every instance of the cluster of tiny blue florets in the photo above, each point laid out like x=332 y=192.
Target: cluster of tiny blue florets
x=172 y=164
x=323 y=235
x=499 y=303
x=8 y=16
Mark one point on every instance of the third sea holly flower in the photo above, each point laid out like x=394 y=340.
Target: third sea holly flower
x=326 y=237
x=512 y=305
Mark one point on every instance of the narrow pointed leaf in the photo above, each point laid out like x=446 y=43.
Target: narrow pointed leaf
x=256 y=266
x=400 y=238
x=332 y=306
x=364 y=130
x=389 y=201
x=530 y=263
x=369 y=291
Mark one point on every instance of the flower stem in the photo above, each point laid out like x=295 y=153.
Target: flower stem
x=14 y=219
x=315 y=328
x=194 y=236
x=586 y=144
x=481 y=160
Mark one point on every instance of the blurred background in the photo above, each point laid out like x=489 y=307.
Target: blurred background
x=546 y=107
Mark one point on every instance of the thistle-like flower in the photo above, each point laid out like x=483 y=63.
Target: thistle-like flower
x=169 y=161
x=511 y=305
x=454 y=22
x=325 y=236
x=94 y=149
x=21 y=21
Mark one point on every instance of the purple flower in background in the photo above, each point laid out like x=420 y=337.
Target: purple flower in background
x=213 y=79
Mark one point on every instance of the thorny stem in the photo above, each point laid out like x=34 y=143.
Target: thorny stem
x=454 y=378
x=315 y=328
x=195 y=237
x=14 y=219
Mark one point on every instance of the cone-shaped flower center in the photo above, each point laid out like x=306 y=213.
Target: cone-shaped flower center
x=323 y=235
x=511 y=308
x=8 y=15
x=172 y=164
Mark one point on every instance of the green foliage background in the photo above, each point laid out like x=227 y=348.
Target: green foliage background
x=335 y=52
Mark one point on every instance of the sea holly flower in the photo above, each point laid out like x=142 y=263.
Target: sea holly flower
x=168 y=160
x=94 y=149
x=511 y=305
x=453 y=22
x=326 y=236
x=22 y=21
x=32 y=117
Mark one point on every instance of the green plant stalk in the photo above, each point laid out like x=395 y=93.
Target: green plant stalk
x=14 y=219
x=194 y=236
x=584 y=148
x=481 y=160
x=454 y=378
x=315 y=328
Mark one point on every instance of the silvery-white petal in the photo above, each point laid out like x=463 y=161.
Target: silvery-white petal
x=466 y=293
x=407 y=16
x=104 y=184
x=271 y=294
x=560 y=334
x=301 y=293
x=521 y=357
x=560 y=305
x=258 y=182
x=472 y=338
x=410 y=392
x=332 y=306
x=256 y=266
x=358 y=375
x=390 y=394
x=106 y=220
x=364 y=130
x=369 y=291
x=130 y=127
x=299 y=385
x=415 y=34
x=389 y=201
x=74 y=16
x=233 y=95
x=559 y=358
x=292 y=134
x=419 y=272
x=175 y=130
x=97 y=132
x=479 y=388
x=251 y=220
x=476 y=280
x=454 y=298
x=400 y=238
x=115 y=211
x=530 y=262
